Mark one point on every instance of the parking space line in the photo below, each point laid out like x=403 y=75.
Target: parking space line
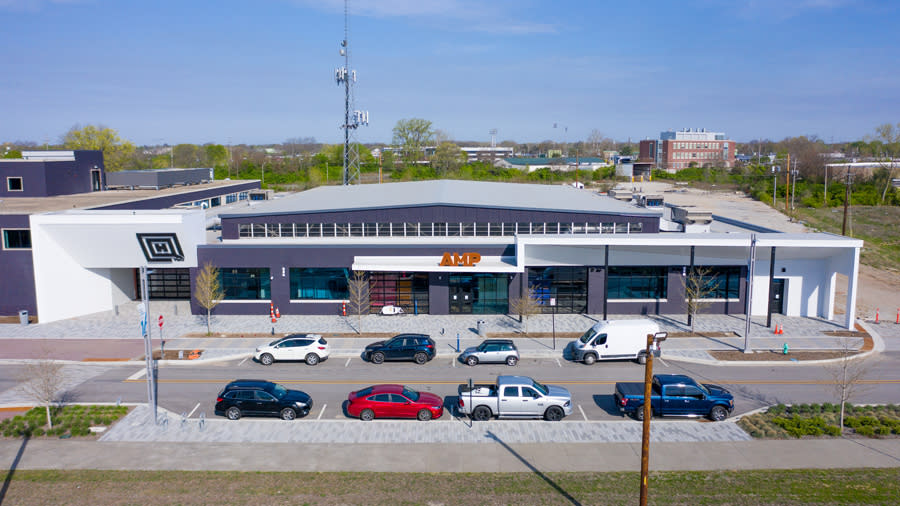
x=663 y=362
x=242 y=361
x=348 y=361
x=558 y=362
x=137 y=375
x=322 y=411
x=195 y=409
x=582 y=413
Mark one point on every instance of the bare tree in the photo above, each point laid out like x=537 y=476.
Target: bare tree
x=890 y=136
x=526 y=305
x=358 y=290
x=699 y=283
x=41 y=381
x=208 y=290
x=847 y=374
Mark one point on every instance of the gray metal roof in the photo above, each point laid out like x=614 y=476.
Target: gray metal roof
x=446 y=192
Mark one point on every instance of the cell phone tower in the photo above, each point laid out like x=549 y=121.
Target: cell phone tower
x=353 y=118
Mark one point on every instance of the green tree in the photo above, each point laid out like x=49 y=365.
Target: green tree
x=208 y=290
x=216 y=155
x=188 y=155
x=412 y=136
x=117 y=153
x=448 y=157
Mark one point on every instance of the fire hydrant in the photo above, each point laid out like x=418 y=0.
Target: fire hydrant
x=785 y=349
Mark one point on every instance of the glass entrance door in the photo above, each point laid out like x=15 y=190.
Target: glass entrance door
x=479 y=293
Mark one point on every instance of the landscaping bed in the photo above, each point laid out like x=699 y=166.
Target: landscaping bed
x=68 y=421
x=822 y=420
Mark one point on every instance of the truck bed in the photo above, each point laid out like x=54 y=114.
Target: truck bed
x=482 y=390
x=630 y=389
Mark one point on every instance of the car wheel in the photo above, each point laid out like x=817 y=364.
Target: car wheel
x=642 y=358
x=472 y=361
x=590 y=358
x=420 y=358
x=718 y=413
x=367 y=415
x=554 y=414
x=423 y=415
x=266 y=359
x=233 y=413
x=639 y=414
x=377 y=357
x=288 y=414
x=511 y=361
x=481 y=413
x=312 y=359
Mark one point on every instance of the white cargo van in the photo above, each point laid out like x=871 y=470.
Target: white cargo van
x=616 y=340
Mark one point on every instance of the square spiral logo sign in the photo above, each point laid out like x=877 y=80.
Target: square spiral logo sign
x=161 y=247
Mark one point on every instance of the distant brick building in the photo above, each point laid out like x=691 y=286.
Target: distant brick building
x=674 y=151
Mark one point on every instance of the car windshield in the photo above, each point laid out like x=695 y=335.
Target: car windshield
x=279 y=391
x=588 y=336
x=411 y=394
x=703 y=388
x=540 y=388
x=277 y=341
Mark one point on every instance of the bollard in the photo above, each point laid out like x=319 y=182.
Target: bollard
x=876 y=315
x=202 y=419
x=898 y=315
x=784 y=349
x=183 y=419
x=457 y=342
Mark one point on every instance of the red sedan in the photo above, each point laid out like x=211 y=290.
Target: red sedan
x=394 y=401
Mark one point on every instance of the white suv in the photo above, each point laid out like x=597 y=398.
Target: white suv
x=310 y=348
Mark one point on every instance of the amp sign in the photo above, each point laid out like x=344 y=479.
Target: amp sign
x=460 y=260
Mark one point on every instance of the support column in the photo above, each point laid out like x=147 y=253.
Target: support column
x=852 y=281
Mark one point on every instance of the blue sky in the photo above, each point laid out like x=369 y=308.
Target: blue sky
x=260 y=72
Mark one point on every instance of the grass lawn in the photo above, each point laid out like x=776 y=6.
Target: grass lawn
x=839 y=486
x=876 y=225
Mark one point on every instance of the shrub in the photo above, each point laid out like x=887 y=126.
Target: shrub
x=883 y=430
x=865 y=430
x=832 y=430
x=777 y=409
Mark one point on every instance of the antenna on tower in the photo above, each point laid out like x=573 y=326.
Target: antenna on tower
x=353 y=119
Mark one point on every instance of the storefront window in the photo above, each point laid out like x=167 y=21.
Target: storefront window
x=319 y=284
x=567 y=285
x=407 y=290
x=723 y=282
x=245 y=283
x=637 y=282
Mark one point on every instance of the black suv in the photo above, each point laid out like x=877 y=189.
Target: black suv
x=416 y=347
x=259 y=397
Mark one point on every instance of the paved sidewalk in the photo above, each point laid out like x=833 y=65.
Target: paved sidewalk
x=498 y=456
x=82 y=338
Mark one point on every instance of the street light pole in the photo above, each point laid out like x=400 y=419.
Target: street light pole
x=148 y=346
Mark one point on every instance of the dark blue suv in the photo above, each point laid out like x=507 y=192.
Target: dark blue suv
x=416 y=347
x=260 y=397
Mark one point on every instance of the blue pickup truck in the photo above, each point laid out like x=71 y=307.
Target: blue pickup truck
x=675 y=395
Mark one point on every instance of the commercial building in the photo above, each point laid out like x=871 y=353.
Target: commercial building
x=674 y=151
x=69 y=242
x=431 y=247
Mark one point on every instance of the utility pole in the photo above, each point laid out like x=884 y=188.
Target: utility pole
x=648 y=413
x=787 y=181
x=846 y=203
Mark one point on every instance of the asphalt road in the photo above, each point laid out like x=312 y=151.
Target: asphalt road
x=192 y=389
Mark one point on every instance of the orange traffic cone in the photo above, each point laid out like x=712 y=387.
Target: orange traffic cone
x=272 y=315
x=776 y=329
x=277 y=313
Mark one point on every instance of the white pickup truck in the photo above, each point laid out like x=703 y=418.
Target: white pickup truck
x=514 y=397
